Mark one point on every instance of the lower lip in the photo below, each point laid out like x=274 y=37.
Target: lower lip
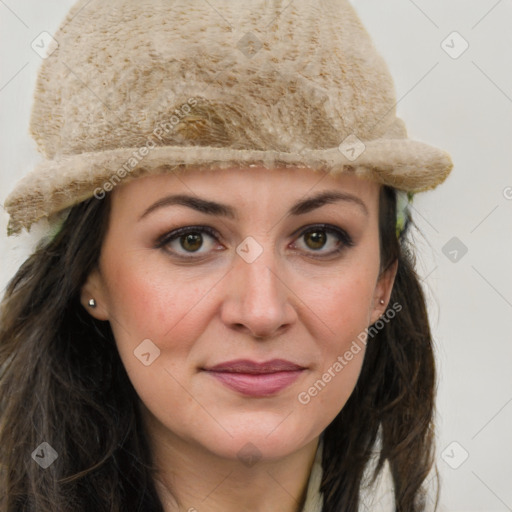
x=262 y=384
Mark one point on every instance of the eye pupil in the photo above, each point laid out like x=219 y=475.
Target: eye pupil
x=317 y=237
x=194 y=239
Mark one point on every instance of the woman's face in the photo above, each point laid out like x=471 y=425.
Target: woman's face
x=259 y=272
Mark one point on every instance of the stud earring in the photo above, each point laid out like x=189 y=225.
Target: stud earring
x=382 y=301
x=92 y=303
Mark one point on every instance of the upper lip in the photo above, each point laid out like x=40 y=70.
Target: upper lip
x=248 y=366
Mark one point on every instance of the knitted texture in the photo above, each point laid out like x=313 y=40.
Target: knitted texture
x=137 y=87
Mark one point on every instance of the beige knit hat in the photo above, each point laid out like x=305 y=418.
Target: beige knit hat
x=136 y=87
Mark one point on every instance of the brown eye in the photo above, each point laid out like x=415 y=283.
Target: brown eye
x=315 y=239
x=323 y=236
x=188 y=240
x=191 y=241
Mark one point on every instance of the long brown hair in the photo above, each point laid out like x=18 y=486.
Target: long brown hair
x=63 y=382
x=393 y=400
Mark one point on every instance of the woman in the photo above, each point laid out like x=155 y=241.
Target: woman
x=224 y=314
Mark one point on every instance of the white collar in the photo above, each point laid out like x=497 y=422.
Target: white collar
x=378 y=496
x=314 y=498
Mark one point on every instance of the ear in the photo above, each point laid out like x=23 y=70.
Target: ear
x=94 y=288
x=383 y=292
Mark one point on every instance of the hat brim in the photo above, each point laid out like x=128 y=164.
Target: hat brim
x=57 y=184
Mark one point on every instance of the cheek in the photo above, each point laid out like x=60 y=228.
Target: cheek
x=344 y=302
x=148 y=299
x=344 y=308
x=149 y=302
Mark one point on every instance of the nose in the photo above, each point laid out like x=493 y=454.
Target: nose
x=258 y=300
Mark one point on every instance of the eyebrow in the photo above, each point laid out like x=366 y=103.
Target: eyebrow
x=213 y=208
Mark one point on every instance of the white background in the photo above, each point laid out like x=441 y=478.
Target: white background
x=461 y=104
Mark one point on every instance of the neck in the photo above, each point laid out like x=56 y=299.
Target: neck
x=191 y=478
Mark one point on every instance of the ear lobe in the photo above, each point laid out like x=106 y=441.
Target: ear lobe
x=94 y=288
x=383 y=292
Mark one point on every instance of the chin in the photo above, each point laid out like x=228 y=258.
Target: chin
x=251 y=441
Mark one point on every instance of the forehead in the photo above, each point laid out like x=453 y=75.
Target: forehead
x=246 y=184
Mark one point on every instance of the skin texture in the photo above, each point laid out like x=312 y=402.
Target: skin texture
x=288 y=303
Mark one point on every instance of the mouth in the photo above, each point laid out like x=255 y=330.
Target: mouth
x=251 y=378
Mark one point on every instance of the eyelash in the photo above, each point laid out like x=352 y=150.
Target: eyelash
x=342 y=235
